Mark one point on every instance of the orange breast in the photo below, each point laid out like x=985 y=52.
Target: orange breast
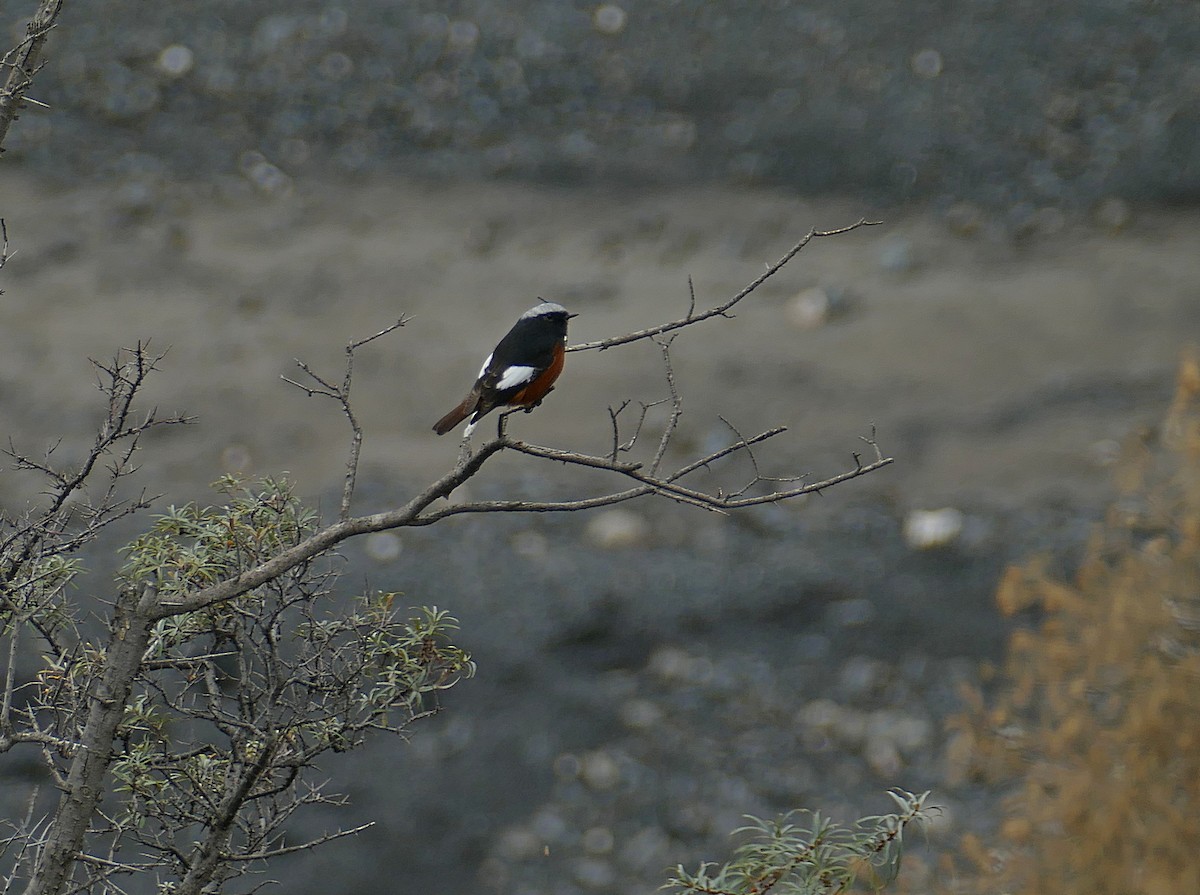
x=541 y=384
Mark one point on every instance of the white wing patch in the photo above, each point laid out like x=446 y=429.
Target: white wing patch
x=514 y=376
x=483 y=369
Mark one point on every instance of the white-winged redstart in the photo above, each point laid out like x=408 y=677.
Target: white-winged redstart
x=520 y=372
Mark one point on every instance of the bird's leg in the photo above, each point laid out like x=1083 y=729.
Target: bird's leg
x=502 y=422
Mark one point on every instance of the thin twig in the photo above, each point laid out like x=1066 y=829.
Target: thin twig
x=4 y=253
x=341 y=394
x=720 y=310
x=10 y=675
x=616 y=429
x=292 y=849
x=676 y=403
x=668 y=486
x=624 y=447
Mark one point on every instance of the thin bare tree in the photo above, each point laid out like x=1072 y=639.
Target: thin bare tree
x=183 y=734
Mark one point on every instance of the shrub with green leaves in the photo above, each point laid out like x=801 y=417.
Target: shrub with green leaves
x=805 y=853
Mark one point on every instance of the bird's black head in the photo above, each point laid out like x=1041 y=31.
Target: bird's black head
x=550 y=310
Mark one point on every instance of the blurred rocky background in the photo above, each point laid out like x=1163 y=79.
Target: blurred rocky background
x=251 y=182
x=1016 y=106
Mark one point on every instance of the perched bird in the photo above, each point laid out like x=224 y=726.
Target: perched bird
x=520 y=372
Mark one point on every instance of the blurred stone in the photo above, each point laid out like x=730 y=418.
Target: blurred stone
x=910 y=733
x=236 y=457
x=566 y=766
x=907 y=734
x=852 y=613
x=964 y=218
x=594 y=874
x=896 y=255
x=927 y=529
x=810 y=308
x=690 y=819
x=336 y=66
x=599 y=771
x=927 y=63
x=518 y=844
x=1050 y=220
x=462 y=36
x=609 y=18
x=457 y=734
x=130 y=95
x=640 y=714
x=383 y=546
x=617 y=529
x=531 y=545
x=550 y=828
x=644 y=849
x=792 y=781
x=941 y=823
x=860 y=676
x=482 y=237
x=598 y=841
x=1106 y=452
x=812 y=647
x=821 y=714
x=958 y=758
x=265 y=176
x=677 y=666
x=850 y=727
x=1062 y=109
x=883 y=757
x=1113 y=215
x=175 y=60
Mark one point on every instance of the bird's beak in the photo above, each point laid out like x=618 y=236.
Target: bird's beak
x=569 y=316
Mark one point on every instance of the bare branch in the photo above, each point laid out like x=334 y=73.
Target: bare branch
x=341 y=394
x=668 y=487
x=312 y=843
x=676 y=403
x=4 y=252
x=721 y=310
x=613 y=413
x=23 y=61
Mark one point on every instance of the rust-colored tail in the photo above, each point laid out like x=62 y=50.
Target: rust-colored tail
x=455 y=416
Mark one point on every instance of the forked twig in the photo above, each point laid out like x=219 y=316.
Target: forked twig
x=664 y=346
x=623 y=447
x=341 y=394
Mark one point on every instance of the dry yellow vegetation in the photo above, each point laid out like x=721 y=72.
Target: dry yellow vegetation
x=1096 y=725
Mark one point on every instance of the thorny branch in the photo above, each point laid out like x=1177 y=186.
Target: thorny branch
x=4 y=253
x=22 y=62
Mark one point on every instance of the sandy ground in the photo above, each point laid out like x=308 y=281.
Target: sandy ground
x=994 y=373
